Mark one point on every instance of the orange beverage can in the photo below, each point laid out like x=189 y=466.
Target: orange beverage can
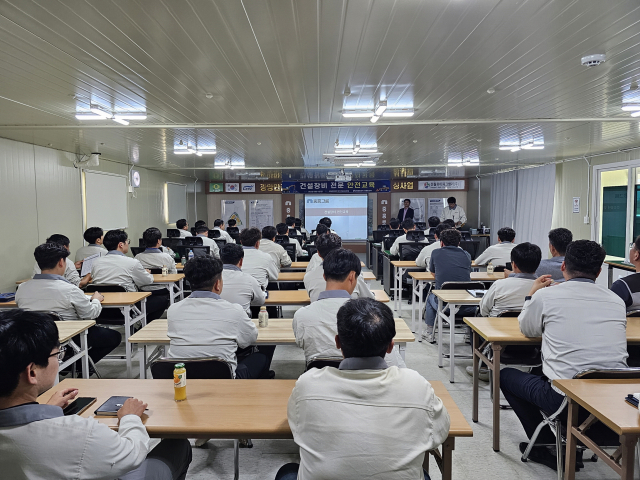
x=180 y=382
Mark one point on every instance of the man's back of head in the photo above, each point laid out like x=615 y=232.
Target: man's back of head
x=321 y=229
x=218 y=223
x=365 y=328
x=48 y=255
x=325 y=221
x=434 y=221
x=583 y=259
x=408 y=224
x=290 y=221
x=59 y=239
x=339 y=263
x=92 y=234
x=203 y=272
x=232 y=254
x=441 y=228
x=151 y=236
x=232 y=222
x=269 y=232
x=198 y=223
x=180 y=224
x=282 y=229
x=450 y=237
x=506 y=234
x=249 y=237
x=113 y=238
x=527 y=257
x=449 y=222
x=328 y=242
x=202 y=230
x=394 y=223
x=559 y=239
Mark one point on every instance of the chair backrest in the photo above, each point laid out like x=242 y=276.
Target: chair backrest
x=321 y=362
x=156 y=270
x=410 y=251
x=609 y=373
x=293 y=233
x=462 y=286
x=384 y=227
x=173 y=233
x=292 y=251
x=55 y=316
x=104 y=287
x=232 y=230
x=311 y=249
x=137 y=250
x=466 y=235
x=192 y=241
x=415 y=235
x=499 y=269
x=509 y=313
x=633 y=313
x=193 y=231
x=312 y=238
x=421 y=226
x=198 y=250
x=387 y=242
x=221 y=242
x=282 y=240
x=470 y=246
x=214 y=233
x=171 y=242
x=141 y=242
x=304 y=236
x=200 y=368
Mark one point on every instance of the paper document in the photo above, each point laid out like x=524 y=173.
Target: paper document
x=88 y=263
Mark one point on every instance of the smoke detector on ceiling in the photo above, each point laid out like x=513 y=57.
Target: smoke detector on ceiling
x=593 y=60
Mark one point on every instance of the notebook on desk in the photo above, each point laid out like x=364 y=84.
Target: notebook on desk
x=110 y=407
x=477 y=293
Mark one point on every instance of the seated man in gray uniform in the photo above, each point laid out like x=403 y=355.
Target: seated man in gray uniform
x=49 y=291
x=115 y=268
x=259 y=265
x=202 y=231
x=315 y=326
x=218 y=224
x=153 y=256
x=183 y=226
x=315 y=260
x=559 y=238
x=71 y=269
x=239 y=287
x=283 y=229
x=205 y=325
x=314 y=281
x=93 y=236
x=268 y=245
x=40 y=442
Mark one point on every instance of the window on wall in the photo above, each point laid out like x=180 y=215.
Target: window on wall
x=617 y=202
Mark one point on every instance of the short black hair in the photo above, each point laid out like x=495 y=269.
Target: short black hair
x=433 y=221
x=232 y=253
x=584 y=258
x=231 y=222
x=269 y=232
x=339 y=263
x=298 y=222
x=408 y=224
x=151 y=236
x=59 y=239
x=559 y=238
x=250 y=236
x=49 y=254
x=202 y=229
x=449 y=222
x=327 y=242
x=113 y=238
x=203 y=272
x=25 y=338
x=394 y=223
x=506 y=234
x=290 y=221
x=218 y=222
x=198 y=223
x=527 y=257
x=441 y=228
x=450 y=237
x=281 y=229
x=325 y=221
x=180 y=224
x=365 y=328
x=92 y=234
x=451 y=200
x=406 y=200
x=321 y=229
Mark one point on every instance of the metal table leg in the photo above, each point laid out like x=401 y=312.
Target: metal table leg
x=85 y=353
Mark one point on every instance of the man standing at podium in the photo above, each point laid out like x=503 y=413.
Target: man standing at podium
x=454 y=212
x=406 y=212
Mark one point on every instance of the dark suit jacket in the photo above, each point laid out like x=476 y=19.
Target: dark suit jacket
x=409 y=214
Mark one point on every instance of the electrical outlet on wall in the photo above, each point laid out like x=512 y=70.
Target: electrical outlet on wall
x=586 y=219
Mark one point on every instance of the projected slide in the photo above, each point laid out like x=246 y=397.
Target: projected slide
x=348 y=214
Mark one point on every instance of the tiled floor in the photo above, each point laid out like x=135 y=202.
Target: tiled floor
x=473 y=457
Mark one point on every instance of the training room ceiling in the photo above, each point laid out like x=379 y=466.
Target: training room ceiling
x=267 y=81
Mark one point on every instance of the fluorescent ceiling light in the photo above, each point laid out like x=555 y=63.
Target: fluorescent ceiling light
x=515 y=149
x=198 y=154
x=98 y=111
x=368 y=150
x=120 y=121
x=531 y=146
x=507 y=147
x=89 y=116
x=636 y=114
x=356 y=149
x=380 y=108
x=131 y=116
x=206 y=152
x=344 y=150
x=375 y=118
x=398 y=113
x=182 y=152
x=352 y=165
x=237 y=167
x=222 y=167
x=631 y=107
x=368 y=162
x=356 y=113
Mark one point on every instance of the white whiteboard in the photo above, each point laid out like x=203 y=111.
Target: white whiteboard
x=106 y=197
x=177 y=201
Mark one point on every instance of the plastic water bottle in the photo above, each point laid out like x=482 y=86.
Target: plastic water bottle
x=263 y=317
x=490 y=268
x=190 y=256
x=165 y=271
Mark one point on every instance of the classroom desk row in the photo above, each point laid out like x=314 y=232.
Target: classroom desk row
x=278 y=332
x=230 y=409
x=502 y=332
